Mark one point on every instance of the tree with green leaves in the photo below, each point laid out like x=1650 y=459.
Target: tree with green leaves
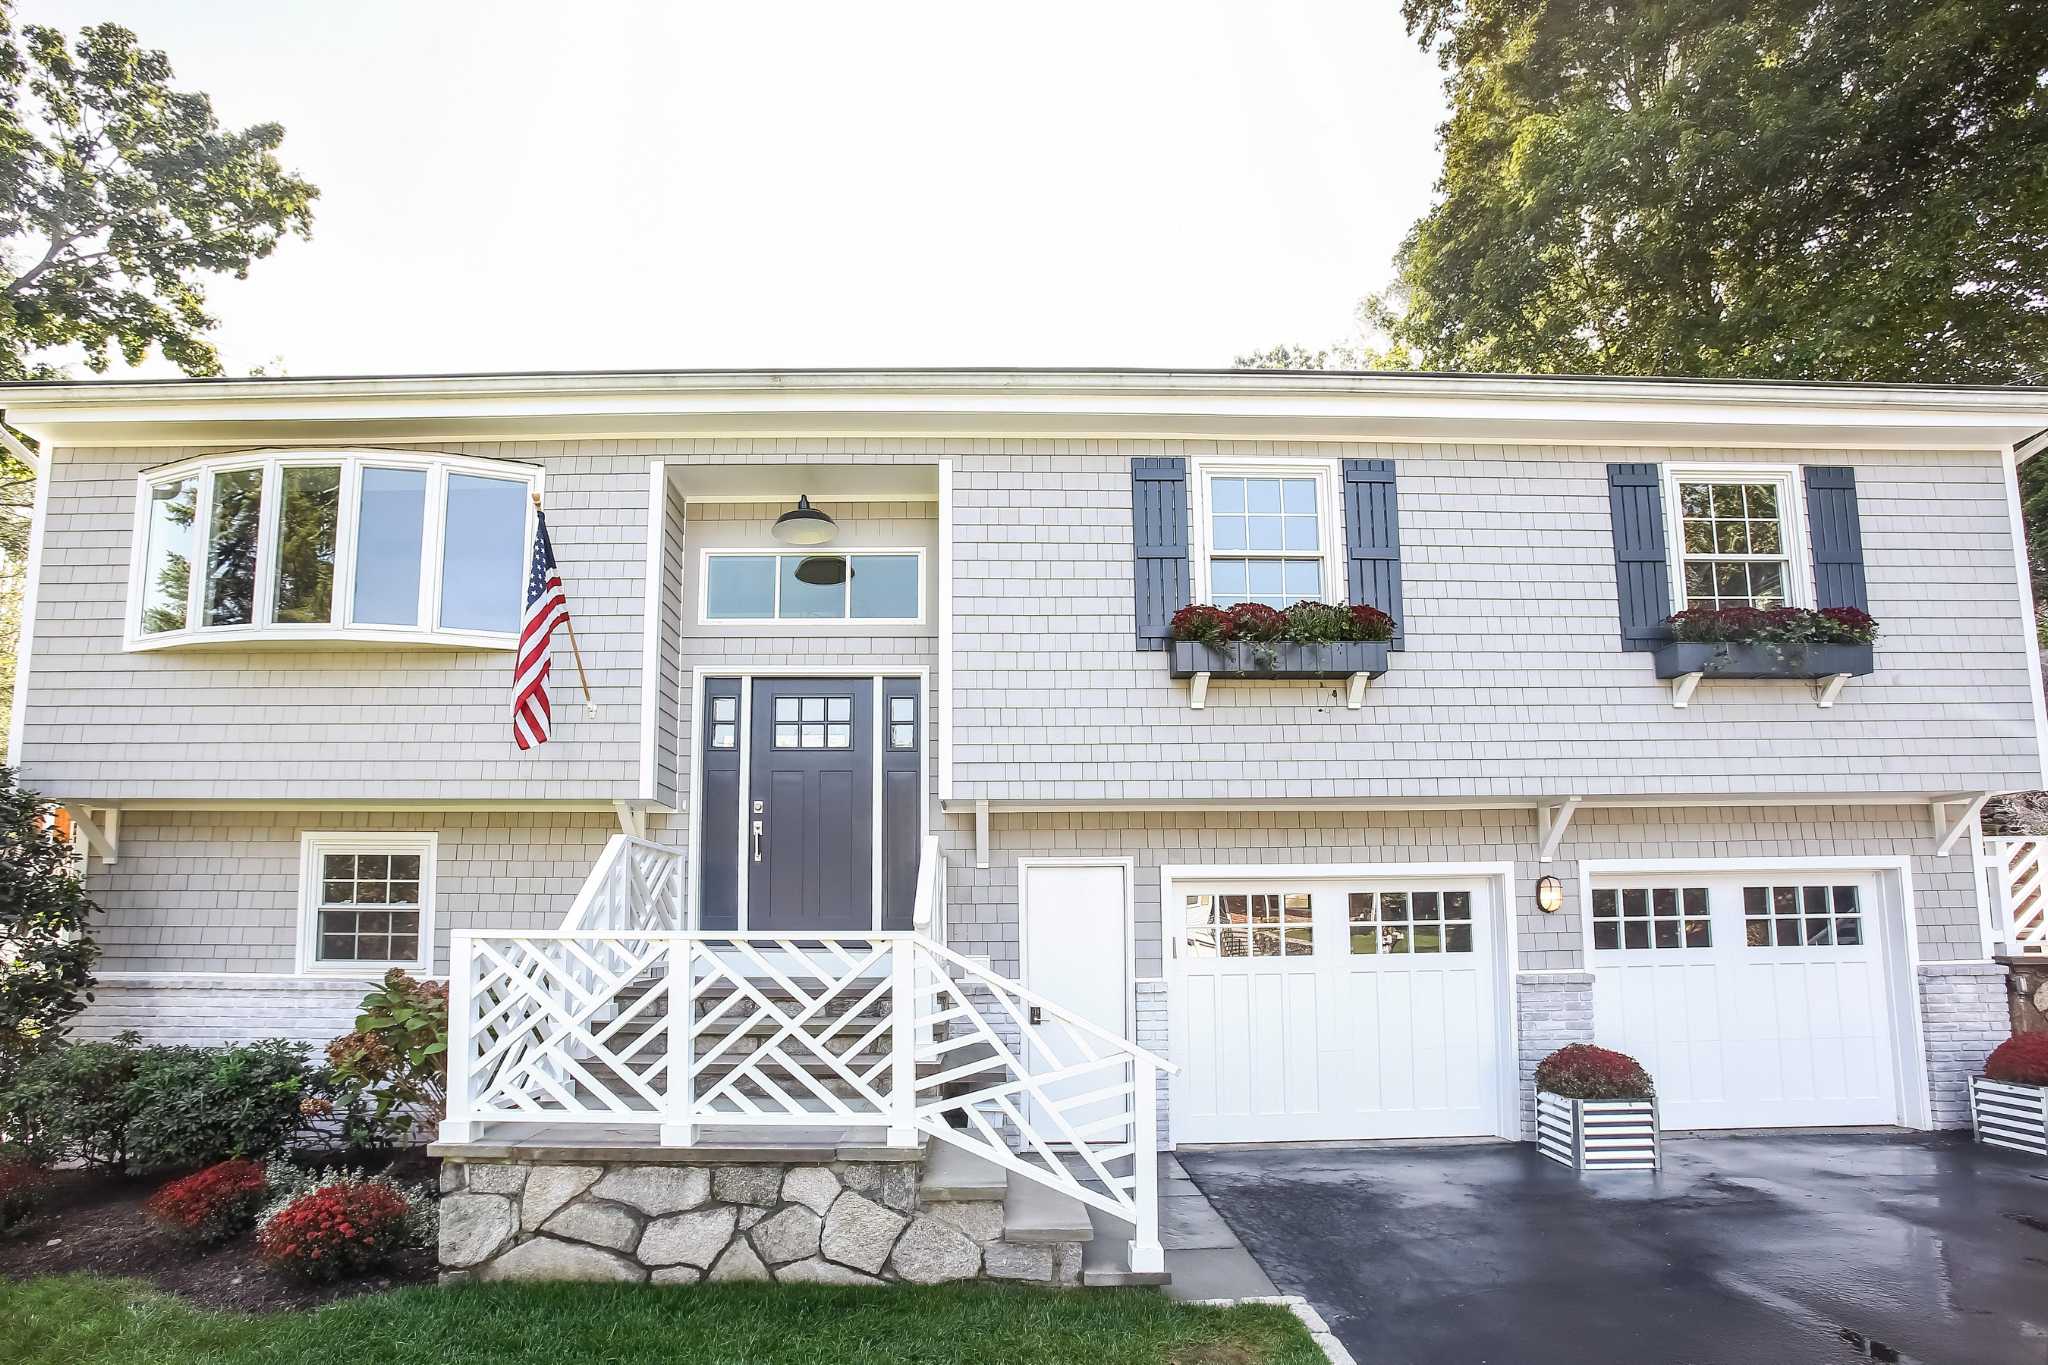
x=119 y=197
x=46 y=947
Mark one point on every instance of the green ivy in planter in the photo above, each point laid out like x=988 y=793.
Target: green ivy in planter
x=1772 y=626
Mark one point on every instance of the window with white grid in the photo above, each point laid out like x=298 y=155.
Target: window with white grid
x=1737 y=540
x=366 y=902
x=1266 y=534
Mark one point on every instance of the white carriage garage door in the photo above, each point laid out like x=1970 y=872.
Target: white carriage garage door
x=1323 y=1009
x=1756 y=1000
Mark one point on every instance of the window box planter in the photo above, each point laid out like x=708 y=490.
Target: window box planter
x=1598 y=1135
x=2010 y=1116
x=1358 y=661
x=1685 y=662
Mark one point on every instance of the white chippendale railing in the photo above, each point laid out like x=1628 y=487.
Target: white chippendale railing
x=621 y=1020
x=2017 y=882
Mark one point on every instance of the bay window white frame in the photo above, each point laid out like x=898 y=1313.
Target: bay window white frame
x=1329 y=478
x=340 y=625
x=1791 y=486
x=776 y=618
x=313 y=845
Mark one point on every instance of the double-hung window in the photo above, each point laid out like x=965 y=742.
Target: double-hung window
x=366 y=902
x=1267 y=534
x=331 y=545
x=1737 y=538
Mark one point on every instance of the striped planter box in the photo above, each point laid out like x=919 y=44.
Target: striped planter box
x=1597 y=1135
x=2012 y=1116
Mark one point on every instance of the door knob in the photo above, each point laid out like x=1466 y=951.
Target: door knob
x=1037 y=1015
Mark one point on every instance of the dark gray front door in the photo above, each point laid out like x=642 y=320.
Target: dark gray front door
x=811 y=805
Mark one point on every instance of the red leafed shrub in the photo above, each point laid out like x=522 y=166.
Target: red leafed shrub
x=336 y=1232
x=1210 y=625
x=21 y=1188
x=2020 y=1060
x=1256 y=621
x=211 y=1206
x=1581 y=1071
x=1370 y=623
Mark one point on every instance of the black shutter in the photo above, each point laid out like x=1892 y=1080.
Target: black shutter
x=1635 y=498
x=1159 y=539
x=1837 y=537
x=1372 y=536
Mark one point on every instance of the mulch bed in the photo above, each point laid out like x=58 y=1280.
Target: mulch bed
x=91 y=1222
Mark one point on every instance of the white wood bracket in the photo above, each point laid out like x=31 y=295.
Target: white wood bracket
x=1551 y=822
x=1825 y=690
x=1682 y=687
x=632 y=818
x=1948 y=831
x=102 y=836
x=1359 y=682
x=1198 y=691
x=981 y=834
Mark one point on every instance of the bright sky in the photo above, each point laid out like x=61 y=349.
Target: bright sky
x=516 y=185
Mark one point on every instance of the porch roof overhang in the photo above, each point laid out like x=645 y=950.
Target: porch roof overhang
x=1011 y=403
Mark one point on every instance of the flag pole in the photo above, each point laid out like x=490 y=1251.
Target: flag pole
x=569 y=624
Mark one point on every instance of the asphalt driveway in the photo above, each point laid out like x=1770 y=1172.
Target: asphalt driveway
x=1897 y=1247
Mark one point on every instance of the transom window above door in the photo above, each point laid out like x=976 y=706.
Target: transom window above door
x=378 y=544
x=1251 y=924
x=1737 y=540
x=874 y=586
x=1267 y=537
x=814 y=722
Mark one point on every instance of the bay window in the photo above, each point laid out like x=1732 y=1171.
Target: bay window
x=331 y=545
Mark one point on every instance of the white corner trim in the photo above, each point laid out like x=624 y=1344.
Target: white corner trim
x=39 y=518
x=650 y=622
x=944 y=742
x=2028 y=607
x=312 y=843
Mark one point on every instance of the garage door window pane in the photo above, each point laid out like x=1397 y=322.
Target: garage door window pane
x=1651 y=917
x=1251 y=924
x=1802 y=917
x=1410 y=921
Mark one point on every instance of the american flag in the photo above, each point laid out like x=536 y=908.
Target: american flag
x=546 y=608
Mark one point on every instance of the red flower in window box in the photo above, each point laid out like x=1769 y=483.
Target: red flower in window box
x=1370 y=623
x=2020 y=1060
x=1257 y=621
x=1581 y=1071
x=1775 y=625
x=1201 y=622
x=336 y=1231
x=211 y=1206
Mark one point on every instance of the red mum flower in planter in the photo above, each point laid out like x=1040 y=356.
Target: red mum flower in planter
x=2020 y=1060
x=335 y=1232
x=1581 y=1071
x=1370 y=623
x=1257 y=621
x=1209 y=625
x=212 y=1206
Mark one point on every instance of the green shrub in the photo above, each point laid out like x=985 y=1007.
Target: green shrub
x=46 y=947
x=150 y=1108
x=391 y=1074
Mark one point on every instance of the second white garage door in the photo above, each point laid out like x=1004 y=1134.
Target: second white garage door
x=1756 y=1000
x=1325 y=1009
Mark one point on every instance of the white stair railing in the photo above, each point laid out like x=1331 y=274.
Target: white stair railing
x=619 y=1019
x=2016 y=872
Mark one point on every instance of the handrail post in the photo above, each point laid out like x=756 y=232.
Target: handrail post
x=902 y=1042
x=678 y=1122
x=1148 y=1257
x=457 y=1125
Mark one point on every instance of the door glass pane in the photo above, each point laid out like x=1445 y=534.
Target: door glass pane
x=812 y=601
x=484 y=554
x=884 y=586
x=167 y=558
x=231 y=547
x=391 y=525
x=308 y=513
x=739 y=588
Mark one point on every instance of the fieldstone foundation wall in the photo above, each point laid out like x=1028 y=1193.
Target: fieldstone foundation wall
x=796 y=1222
x=1552 y=1009
x=1964 y=1013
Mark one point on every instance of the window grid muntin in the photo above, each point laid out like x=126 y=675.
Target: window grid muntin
x=1735 y=539
x=1250 y=924
x=1802 y=915
x=369 y=902
x=1637 y=917
x=1408 y=921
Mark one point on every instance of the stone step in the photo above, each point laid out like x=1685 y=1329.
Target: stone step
x=1035 y=1214
x=955 y=1175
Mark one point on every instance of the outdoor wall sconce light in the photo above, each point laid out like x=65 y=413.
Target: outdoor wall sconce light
x=804 y=524
x=1550 y=895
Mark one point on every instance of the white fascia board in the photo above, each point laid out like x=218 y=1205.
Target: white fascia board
x=1103 y=404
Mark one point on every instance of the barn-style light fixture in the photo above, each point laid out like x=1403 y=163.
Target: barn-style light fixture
x=804 y=524
x=1550 y=895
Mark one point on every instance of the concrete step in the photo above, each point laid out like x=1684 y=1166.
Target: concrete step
x=955 y=1175
x=1106 y=1259
x=1035 y=1214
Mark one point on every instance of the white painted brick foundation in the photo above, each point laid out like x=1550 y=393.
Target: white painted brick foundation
x=1154 y=1035
x=1552 y=1009
x=1963 y=1015
x=213 y=1009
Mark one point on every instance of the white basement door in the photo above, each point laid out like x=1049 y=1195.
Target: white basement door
x=1335 y=1009
x=1756 y=1000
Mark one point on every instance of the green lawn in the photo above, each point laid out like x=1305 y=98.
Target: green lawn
x=82 y=1320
